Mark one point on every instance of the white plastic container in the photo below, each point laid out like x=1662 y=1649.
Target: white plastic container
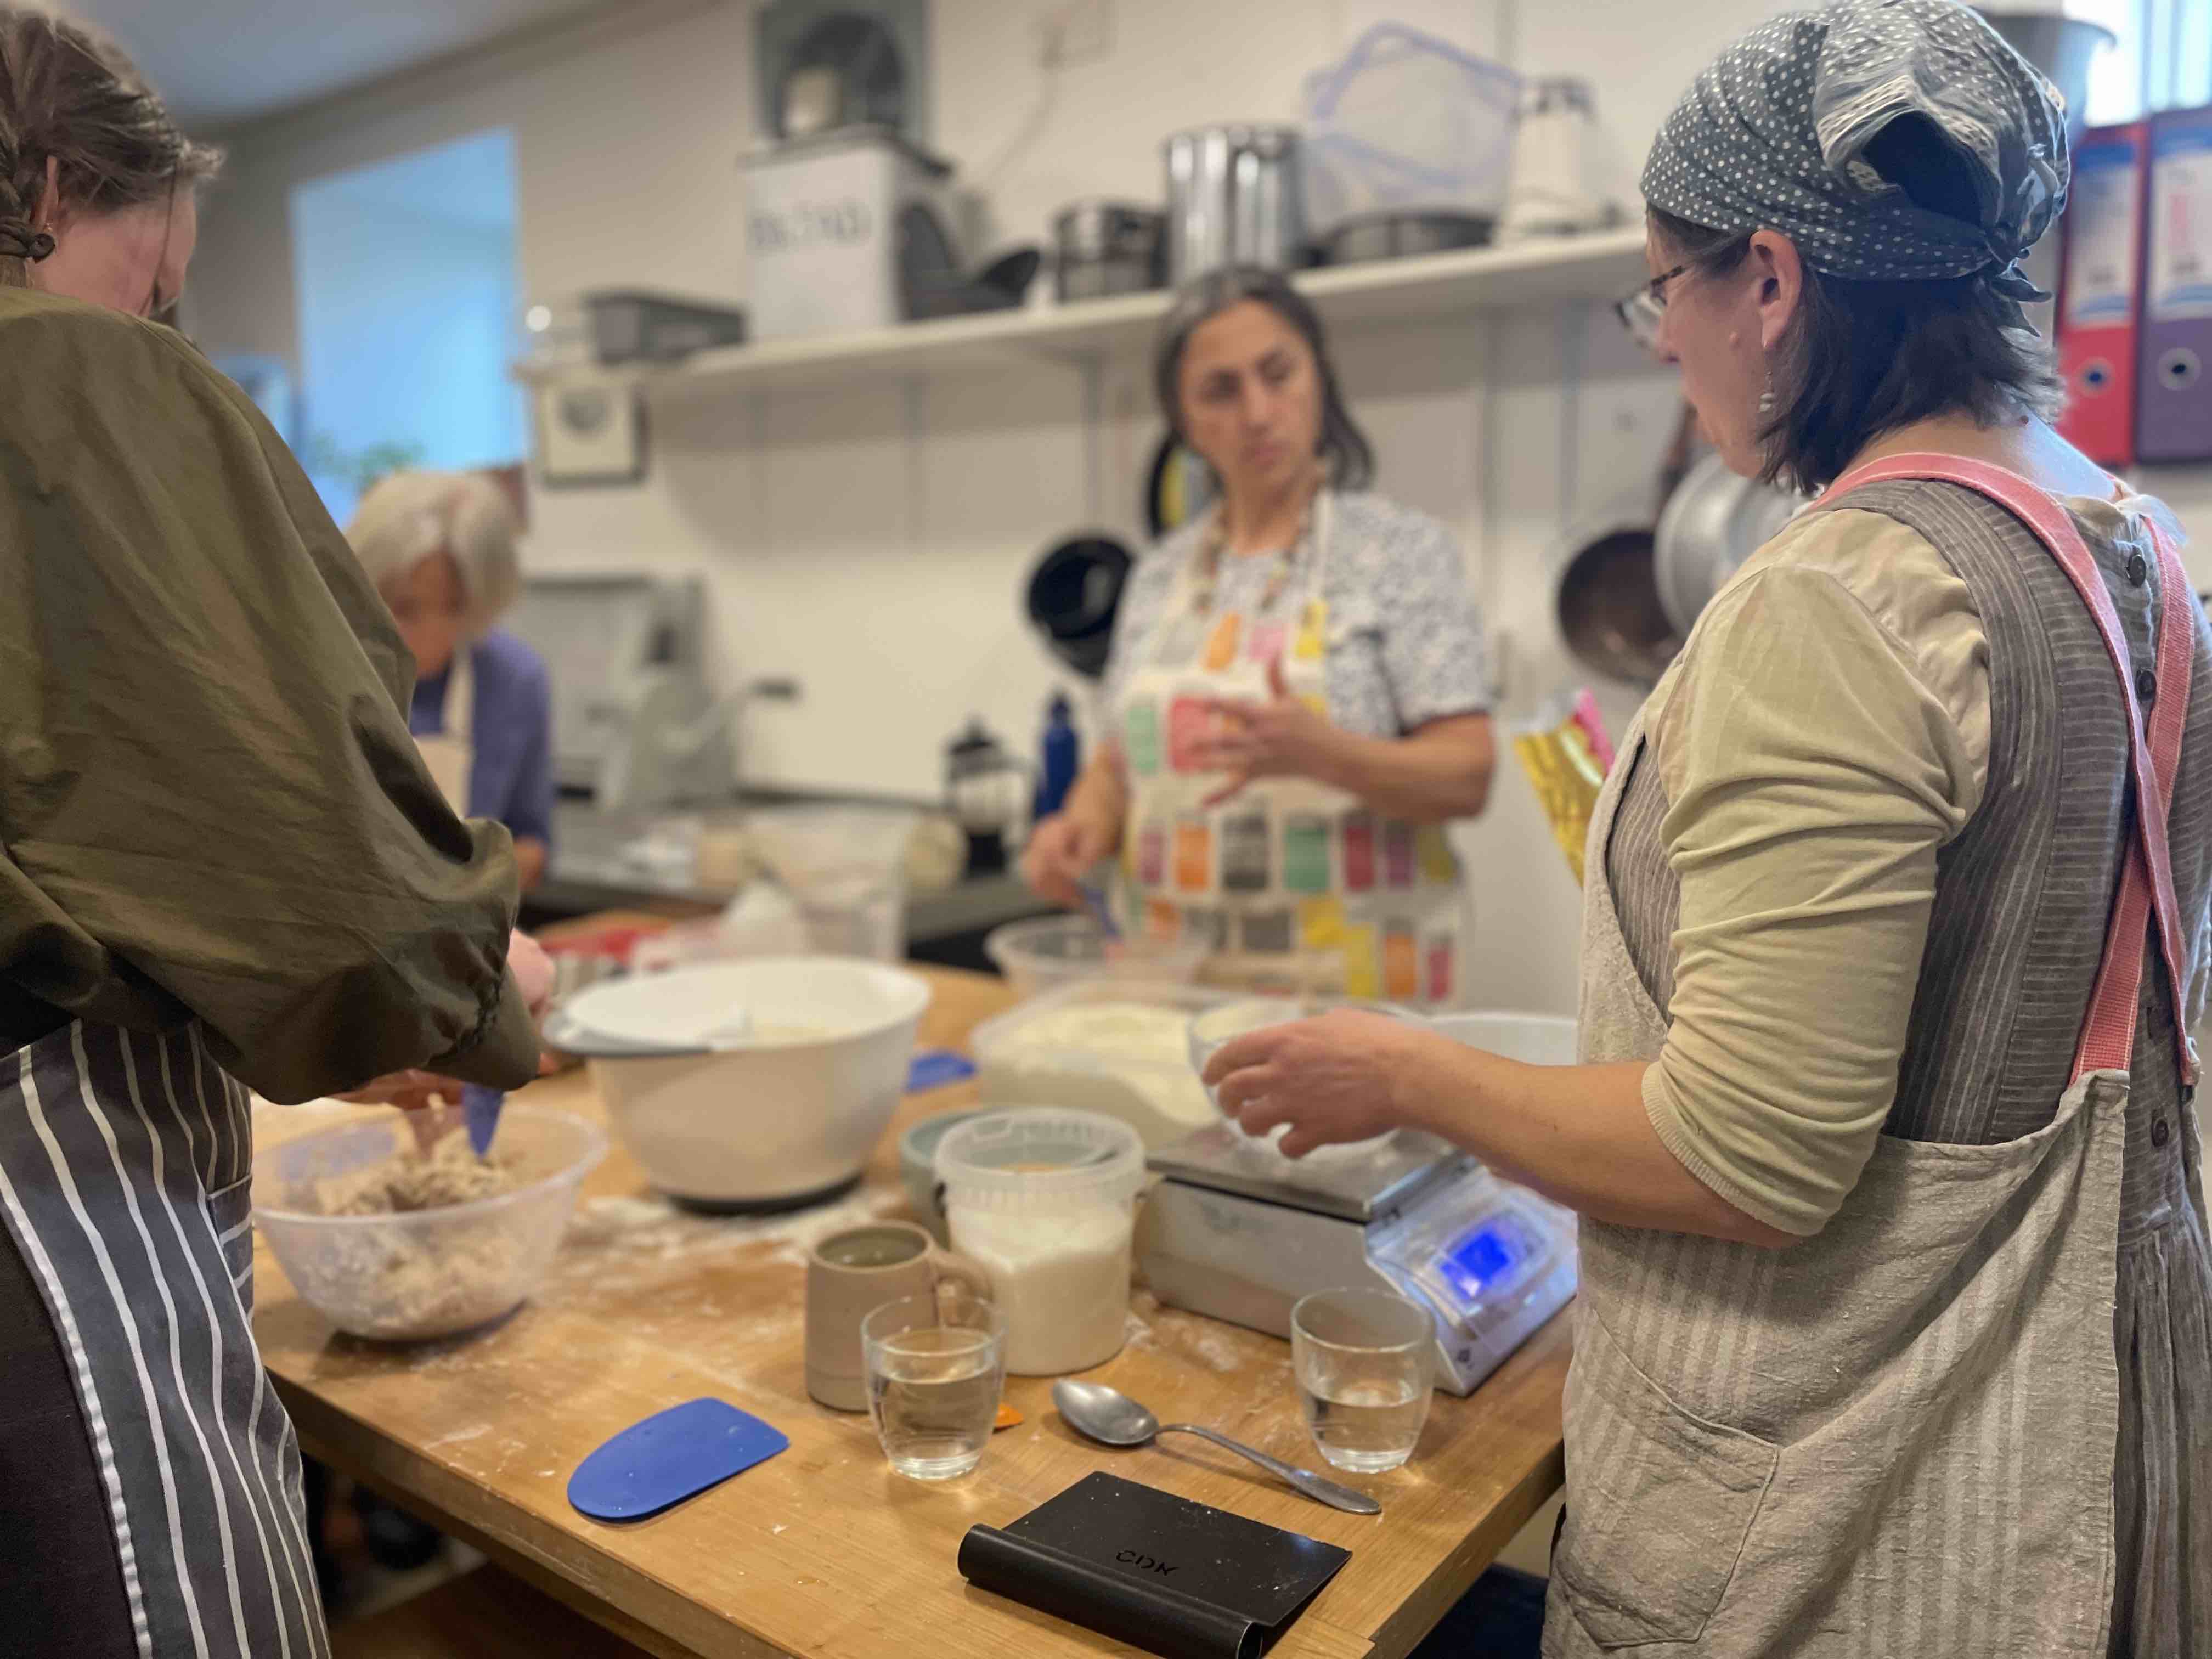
x=1046 y=952
x=823 y=228
x=1046 y=1201
x=1117 y=1047
x=785 y=1115
x=406 y=1277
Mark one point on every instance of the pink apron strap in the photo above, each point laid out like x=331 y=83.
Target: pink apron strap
x=2146 y=896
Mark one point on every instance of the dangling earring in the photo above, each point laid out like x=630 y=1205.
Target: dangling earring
x=1766 y=398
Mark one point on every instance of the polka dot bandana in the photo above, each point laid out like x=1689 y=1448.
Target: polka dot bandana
x=1772 y=137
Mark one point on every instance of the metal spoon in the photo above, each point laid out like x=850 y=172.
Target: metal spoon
x=1110 y=1417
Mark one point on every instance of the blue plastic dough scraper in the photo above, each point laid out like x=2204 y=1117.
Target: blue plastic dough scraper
x=668 y=1456
x=480 y=1110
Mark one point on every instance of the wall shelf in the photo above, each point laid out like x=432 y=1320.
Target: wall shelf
x=1429 y=288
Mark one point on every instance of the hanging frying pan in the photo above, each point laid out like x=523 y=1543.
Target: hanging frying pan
x=1073 y=595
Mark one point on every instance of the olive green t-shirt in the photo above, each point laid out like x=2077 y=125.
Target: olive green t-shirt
x=210 y=807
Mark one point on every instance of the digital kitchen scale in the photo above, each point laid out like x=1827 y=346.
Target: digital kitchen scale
x=1237 y=1231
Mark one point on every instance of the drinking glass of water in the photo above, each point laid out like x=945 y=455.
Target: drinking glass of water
x=1362 y=1359
x=935 y=1366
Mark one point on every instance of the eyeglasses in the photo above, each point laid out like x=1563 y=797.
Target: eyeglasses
x=1643 y=311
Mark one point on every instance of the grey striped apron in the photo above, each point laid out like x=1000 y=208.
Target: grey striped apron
x=125 y=1166
x=1905 y=1436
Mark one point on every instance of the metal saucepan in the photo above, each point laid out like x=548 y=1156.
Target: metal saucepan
x=1102 y=248
x=1607 y=596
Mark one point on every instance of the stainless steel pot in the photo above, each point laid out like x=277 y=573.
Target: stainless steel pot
x=1235 y=195
x=1712 y=522
x=1103 y=247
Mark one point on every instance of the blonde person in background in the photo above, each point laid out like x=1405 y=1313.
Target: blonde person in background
x=441 y=548
x=1297 y=688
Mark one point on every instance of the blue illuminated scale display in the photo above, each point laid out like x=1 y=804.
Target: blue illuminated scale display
x=1237 y=1231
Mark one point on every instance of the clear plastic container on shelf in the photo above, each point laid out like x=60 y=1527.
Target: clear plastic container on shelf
x=1407 y=123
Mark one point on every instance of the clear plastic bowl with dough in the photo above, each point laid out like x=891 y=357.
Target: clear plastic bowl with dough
x=1212 y=1028
x=1047 y=952
x=406 y=1277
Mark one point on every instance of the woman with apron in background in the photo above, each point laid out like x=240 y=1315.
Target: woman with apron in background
x=222 y=866
x=1895 y=1332
x=1297 y=695
x=441 y=548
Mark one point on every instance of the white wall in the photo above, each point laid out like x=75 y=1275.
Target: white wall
x=871 y=543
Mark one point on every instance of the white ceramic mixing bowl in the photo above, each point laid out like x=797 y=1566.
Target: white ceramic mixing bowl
x=784 y=1117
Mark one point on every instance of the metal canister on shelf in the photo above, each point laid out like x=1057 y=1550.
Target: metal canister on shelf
x=1103 y=247
x=1235 y=195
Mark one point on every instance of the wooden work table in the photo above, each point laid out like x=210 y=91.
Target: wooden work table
x=822 y=1551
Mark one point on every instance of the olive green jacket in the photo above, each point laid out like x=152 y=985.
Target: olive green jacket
x=210 y=807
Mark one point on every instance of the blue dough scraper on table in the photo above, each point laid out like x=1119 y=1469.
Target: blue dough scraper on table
x=668 y=1456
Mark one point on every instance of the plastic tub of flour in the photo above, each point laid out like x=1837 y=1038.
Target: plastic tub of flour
x=1046 y=1201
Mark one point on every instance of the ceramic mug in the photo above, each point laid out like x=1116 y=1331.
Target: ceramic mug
x=851 y=1273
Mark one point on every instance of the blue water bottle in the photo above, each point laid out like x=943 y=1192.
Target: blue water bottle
x=1062 y=755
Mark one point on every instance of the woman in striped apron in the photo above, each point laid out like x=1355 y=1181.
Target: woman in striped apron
x=1896 y=1330
x=223 y=864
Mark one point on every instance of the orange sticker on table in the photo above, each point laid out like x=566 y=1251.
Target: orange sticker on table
x=1193 y=856
x=1363 y=972
x=1432 y=852
x=1320 y=924
x=1162 y=921
x=1221 y=643
x=1401 y=963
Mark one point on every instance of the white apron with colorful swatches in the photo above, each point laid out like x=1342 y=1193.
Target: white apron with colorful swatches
x=1294 y=886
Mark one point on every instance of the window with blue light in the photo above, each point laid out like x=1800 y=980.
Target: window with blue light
x=406 y=273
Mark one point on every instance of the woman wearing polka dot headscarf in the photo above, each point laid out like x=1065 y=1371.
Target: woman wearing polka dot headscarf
x=1896 y=1326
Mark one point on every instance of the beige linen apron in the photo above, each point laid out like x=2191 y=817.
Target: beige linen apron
x=1921 y=1460
x=451 y=754
x=1292 y=885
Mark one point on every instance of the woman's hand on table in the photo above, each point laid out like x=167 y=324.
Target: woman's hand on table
x=1280 y=738
x=1345 y=1075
